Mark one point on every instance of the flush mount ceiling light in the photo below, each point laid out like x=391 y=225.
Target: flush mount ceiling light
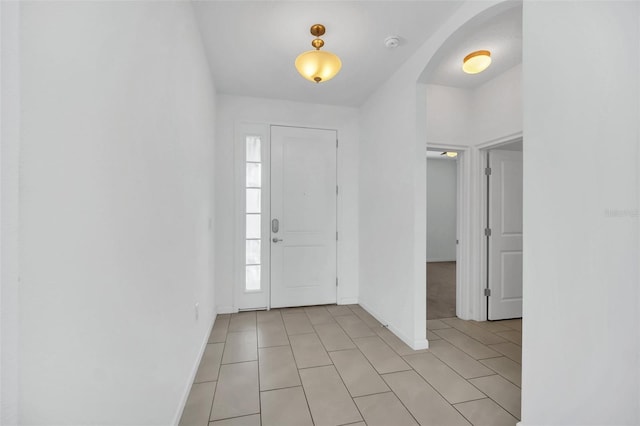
x=476 y=62
x=451 y=154
x=318 y=65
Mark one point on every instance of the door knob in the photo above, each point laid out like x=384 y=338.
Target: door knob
x=275 y=240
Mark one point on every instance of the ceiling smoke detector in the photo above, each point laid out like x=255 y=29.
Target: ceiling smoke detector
x=392 y=42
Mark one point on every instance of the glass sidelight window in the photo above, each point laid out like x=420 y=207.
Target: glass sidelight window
x=253 y=192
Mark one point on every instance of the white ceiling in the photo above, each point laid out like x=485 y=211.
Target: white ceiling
x=500 y=34
x=252 y=45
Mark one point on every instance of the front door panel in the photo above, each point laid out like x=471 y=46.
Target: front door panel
x=303 y=201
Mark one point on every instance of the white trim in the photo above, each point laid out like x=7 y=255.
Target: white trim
x=504 y=140
x=464 y=215
x=413 y=344
x=192 y=376
x=257 y=299
x=348 y=301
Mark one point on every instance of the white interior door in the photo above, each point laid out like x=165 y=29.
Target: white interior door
x=303 y=213
x=505 y=240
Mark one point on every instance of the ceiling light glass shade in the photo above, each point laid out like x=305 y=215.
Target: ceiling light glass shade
x=318 y=65
x=451 y=154
x=476 y=62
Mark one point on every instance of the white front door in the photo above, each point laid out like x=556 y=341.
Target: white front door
x=303 y=213
x=505 y=240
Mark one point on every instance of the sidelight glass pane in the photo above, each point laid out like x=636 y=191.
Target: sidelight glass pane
x=253 y=226
x=253 y=149
x=252 y=278
x=254 y=175
x=253 y=201
x=253 y=252
x=253 y=209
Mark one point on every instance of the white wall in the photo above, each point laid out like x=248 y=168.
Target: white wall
x=118 y=113
x=471 y=117
x=470 y=120
x=393 y=191
x=9 y=155
x=581 y=194
x=233 y=109
x=448 y=112
x=496 y=107
x=441 y=209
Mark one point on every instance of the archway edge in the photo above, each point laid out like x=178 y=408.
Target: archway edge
x=393 y=141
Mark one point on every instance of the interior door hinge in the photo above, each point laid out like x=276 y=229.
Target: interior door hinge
x=336 y=235
x=336 y=281
x=487 y=292
x=487 y=171
x=336 y=189
x=487 y=232
x=336 y=143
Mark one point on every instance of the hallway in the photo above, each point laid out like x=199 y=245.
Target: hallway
x=441 y=290
x=337 y=365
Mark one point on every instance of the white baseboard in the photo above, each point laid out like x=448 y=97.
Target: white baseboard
x=226 y=310
x=348 y=301
x=192 y=376
x=413 y=344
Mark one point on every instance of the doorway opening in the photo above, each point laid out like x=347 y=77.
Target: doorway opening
x=442 y=231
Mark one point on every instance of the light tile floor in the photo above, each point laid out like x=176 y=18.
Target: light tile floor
x=337 y=365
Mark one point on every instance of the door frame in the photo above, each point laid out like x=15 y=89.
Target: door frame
x=471 y=212
x=239 y=295
x=462 y=223
x=242 y=299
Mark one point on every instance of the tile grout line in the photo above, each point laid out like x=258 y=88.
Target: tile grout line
x=214 y=391
x=434 y=388
x=500 y=405
x=461 y=413
x=482 y=330
x=381 y=375
x=496 y=402
x=341 y=379
x=224 y=344
x=488 y=346
x=502 y=375
x=447 y=365
x=258 y=365
x=479 y=360
x=304 y=392
x=241 y=362
x=376 y=371
x=453 y=344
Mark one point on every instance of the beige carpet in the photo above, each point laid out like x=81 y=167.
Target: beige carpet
x=441 y=290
